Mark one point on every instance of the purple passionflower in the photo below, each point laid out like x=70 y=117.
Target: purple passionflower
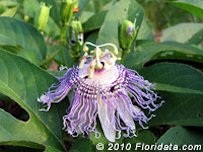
x=105 y=90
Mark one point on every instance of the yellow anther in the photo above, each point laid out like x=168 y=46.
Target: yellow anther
x=97 y=54
x=98 y=65
x=92 y=52
x=85 y=48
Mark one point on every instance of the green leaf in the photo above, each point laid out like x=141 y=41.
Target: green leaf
x=82 y=144
x=143 y=136
x=32 y=9
x=145 y=32
x=52 y=29
x=96 y=6
x=8 y=3
x=26 y=40
x=127 y=9
x=22 y=82
x=194 y=7
x=182 y=136
x=185 y=32
x=181 y=87
x=82 y=5
x=168 y=50
x=196 y=38
x=85 y=16
x=10 y=12
x=95 y=21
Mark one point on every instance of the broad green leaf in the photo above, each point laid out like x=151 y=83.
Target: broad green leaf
x=99 y=5
x=24 y=83
x=181 y=87
x=96 y=6
x=182 y=136
x=95 y=21
x=181 y=32
x=145 y=32
x=85 y=16
x=127 y=9
x=193 y=6
x=168 y=50
x=82 y=5
x=26 y=40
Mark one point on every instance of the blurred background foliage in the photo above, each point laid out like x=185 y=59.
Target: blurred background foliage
x=162 y=14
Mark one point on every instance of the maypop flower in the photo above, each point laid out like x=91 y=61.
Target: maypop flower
x=103 y=89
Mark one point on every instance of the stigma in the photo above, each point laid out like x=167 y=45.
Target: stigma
x=97 y=60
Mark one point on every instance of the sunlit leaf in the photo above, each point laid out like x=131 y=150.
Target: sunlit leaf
x=9 y=12
x=181 y=32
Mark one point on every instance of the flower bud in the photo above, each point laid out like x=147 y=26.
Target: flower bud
x=75 y=38
x=68 y=7
x=44 y=16
x=76 y=33
x=85 y=49
x=77 y=26
x=127 y=34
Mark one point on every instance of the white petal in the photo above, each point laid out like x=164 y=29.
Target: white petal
x=106 y=116
x=135 y=109
x=124 y=112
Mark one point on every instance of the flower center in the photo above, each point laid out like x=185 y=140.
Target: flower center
x=97 y=62
x=104 y=77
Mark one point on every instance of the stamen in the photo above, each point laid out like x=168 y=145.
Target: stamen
x=83 y=60
x=92 y=69
x=97 y=54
